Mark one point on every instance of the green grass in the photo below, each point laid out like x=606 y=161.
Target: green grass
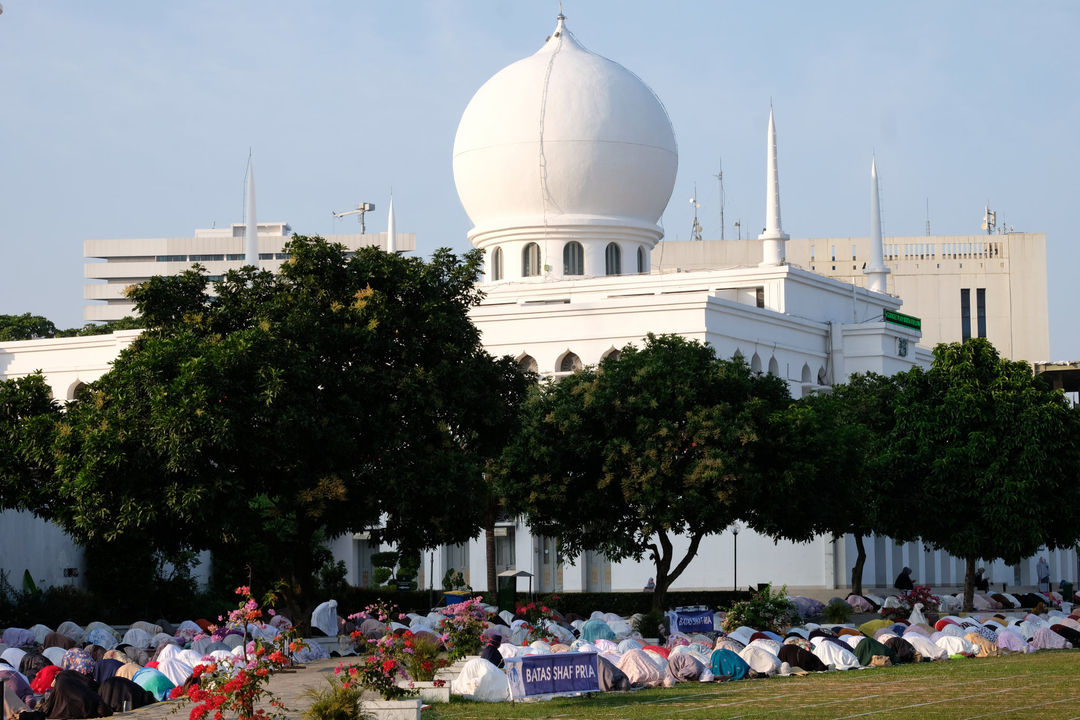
x=1042 y=685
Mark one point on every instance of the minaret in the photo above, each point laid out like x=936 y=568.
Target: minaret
x=251 y=234
x=774 y=236
x=391 y=239
x=876 y=272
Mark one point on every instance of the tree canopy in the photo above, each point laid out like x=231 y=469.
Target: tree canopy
x=991 y=454
x=656 y=443
x=264 y=412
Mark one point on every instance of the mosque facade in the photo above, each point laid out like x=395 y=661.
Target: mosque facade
x=565 y=162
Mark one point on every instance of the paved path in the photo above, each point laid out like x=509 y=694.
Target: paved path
x=289 y=687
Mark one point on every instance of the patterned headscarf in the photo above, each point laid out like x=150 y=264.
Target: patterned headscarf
x=78 y=660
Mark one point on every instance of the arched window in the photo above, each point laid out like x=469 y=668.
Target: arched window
x=496 y=265
x=821 y=378
x=528 y=363
x=641 y=261
x=612 y=354
x=569 y=363
x=806 y=373
x=573 y=259
x=530 y=261
x=755 y=363
x=774 y=367
x=612 y=260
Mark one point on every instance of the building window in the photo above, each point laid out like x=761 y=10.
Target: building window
x=570 y=363
x=266 y=256
x=965 y=315
x=759 y=297
x=641 y=268
x=573 y=259
x=811 y=253
x=235 y=256
x=528 y=364
x=834 y=254
x=496 y=265
x=852 y=252
x=172 y=258
x=282 y=256
x=612 y=260
x=206 y=258
x=980 y=311
x=530 y=260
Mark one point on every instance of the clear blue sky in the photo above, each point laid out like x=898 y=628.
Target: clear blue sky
x=133 y=118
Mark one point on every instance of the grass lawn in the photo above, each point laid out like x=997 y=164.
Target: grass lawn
x=1040 y=685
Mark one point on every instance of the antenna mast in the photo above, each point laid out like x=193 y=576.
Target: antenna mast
x=361 y=209
x=695 y=228
x=720 y=178
x=927 y=217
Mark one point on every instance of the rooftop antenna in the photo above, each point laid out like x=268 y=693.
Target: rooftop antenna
x=738 y=226
x=361 y=209
x=927 y=217
x=989 y=220
x=695 y=229
x=720 y=178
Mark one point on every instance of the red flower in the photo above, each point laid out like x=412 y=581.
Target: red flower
x=388 y=665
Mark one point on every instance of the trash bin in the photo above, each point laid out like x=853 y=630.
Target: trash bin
x=506 y=592
x=451 y=597
x=1067 y=592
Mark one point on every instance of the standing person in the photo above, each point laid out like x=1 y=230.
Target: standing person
x=903 y=580
x=982 y=582
x=1042 y=569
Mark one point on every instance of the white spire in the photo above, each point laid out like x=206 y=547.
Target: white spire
x=774 y=236
x=876 y=272
x=251 y=234
x=391 y=239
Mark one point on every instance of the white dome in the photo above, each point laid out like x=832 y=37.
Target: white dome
x=565 y=144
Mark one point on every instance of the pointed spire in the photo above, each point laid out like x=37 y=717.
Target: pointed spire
x=773 y=252
x=391 y=236
x=251 y=234
x=876 y=272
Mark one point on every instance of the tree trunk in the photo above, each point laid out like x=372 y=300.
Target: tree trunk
x=857 y=568
x=969 y=584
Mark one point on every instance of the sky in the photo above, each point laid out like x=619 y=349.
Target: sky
x=129 y=118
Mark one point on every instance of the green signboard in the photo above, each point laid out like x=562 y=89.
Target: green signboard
x=901 y=319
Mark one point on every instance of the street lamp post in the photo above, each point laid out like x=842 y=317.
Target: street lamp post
x=735 y=555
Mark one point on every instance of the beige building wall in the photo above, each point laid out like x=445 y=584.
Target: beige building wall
x=116 y=264
x=928 y=274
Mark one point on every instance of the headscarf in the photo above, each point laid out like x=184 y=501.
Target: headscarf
x=71 y=697
x=18 y=684
x=128 y=670
x=58 y=639
x=153 y=681
x=78 y=660
x=32 y=663
x=105 y=669
x=116 y=690
x=43 y=680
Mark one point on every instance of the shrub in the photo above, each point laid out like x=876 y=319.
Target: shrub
x=765 y=610
x=386 y=559
x=381 y=574
x=837 y=612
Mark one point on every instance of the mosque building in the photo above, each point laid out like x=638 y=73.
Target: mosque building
x=565 y=162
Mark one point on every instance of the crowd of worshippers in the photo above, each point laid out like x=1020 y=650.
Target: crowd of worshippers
x=74 y=672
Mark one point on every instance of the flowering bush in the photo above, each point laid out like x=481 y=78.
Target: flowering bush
x=908 y=600
x=461 y=626
x=378 y=672
x=766 y=610
x=235 y=686
x=420 y=654
x=381 y=610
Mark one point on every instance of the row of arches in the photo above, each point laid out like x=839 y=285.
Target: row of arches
x=573 y=258
x=570 y=362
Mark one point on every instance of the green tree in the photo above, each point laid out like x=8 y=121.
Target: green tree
x=25 y=327
x=28 y=417
x=657 y=443
x=992 y=455
x=279 y=410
